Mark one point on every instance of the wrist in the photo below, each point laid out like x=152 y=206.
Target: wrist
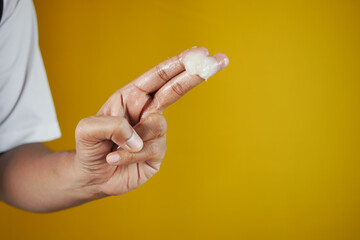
x=81 y=183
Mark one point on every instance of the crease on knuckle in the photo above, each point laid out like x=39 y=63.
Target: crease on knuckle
x=161 y=73
x=178 y=89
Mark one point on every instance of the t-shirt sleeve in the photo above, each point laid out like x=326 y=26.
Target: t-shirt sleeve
x=27 y=112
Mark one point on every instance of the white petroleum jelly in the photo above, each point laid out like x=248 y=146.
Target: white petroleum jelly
x=199 y=63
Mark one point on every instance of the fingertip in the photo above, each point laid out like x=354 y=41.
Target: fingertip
x=194 y=50
x=222 y=59
x=113 y=158
x=202 y=49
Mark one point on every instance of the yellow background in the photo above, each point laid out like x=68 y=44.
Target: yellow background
x=267 y=149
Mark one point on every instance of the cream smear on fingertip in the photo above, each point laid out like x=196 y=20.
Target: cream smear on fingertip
x=198 y=63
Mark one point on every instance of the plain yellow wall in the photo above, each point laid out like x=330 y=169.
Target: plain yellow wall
x=267 y=149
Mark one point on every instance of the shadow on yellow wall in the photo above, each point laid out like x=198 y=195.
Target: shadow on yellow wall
x=267 y=149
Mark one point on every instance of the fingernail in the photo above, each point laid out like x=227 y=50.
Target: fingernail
x=134 y=143
x=113 y=158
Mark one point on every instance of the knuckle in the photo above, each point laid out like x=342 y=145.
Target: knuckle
x=121 y=129
x=154 y=151
x=121 y=125
x=178 y=59
x=162 y=124
x=130 y=158
x=126 y=158
x=83 y=127
x=158 y=124
x=162 y=73
x=178 y=89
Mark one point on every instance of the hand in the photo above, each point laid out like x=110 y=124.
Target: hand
x=140 y=104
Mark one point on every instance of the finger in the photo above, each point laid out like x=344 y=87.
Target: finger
x=96 y=129
x=180 y=85
x=156 y=77
x=153 y=150
x=152 y=126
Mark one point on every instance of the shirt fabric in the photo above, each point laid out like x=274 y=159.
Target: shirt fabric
x=27 y=112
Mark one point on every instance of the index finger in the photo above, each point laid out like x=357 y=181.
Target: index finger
x=159 y=75
x=177 y=87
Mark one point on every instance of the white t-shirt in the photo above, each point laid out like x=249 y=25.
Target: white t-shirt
x=27 y=112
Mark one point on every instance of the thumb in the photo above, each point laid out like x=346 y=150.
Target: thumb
x=96 y=129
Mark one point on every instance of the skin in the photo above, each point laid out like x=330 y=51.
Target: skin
x=107 y=160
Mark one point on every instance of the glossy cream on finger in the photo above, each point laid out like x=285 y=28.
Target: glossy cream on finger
x=198 y=63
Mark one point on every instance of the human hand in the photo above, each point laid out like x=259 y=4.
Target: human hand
x=140 y=104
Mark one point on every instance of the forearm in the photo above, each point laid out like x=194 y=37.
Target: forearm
x=35 y=179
